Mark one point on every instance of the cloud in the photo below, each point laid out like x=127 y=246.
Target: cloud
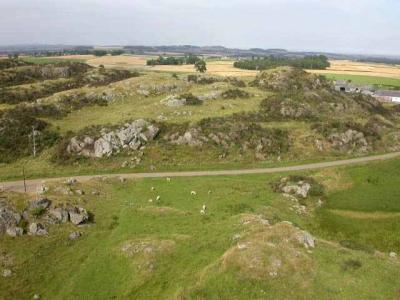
x=330 y=25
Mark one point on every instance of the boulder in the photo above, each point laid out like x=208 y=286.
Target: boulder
x=78 y=215
x=37 y=229
x=306 y=239
x=41 y=203
x=15 y=231
x=59 y=214
x=393 y=254
x=74 y=235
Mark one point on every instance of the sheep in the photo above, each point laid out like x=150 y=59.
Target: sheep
x=153 y=188
x=203 y=211
x=158 y=198
x=193 y=193
x=168 y=179
x=150 y=200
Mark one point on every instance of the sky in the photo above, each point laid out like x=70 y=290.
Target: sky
x=346 y=26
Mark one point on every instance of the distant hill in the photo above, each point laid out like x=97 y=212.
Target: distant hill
x=36 y=49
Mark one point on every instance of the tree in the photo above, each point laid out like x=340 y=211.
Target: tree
x=201 y=66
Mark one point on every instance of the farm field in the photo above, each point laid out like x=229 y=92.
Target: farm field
x=382 y=82
x=142 y=244
x=346 y=67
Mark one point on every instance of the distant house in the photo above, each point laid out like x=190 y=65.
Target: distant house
x=348 y=87
x=388 y=96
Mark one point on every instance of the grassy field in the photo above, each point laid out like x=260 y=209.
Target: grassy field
x=195 y=256
x=367 y=80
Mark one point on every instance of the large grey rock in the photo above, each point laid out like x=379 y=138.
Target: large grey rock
x=59 y=214
x=78 y=215
x=306 y=239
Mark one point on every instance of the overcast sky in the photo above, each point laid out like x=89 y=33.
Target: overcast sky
x=348 y=26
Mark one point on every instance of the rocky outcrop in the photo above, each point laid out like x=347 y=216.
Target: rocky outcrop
x=349 y=140
x=132 y=135
x=298 y=186
x=9 y=219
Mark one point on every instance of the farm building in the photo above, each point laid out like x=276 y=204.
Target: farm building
x=388 y=96
x=348 y=87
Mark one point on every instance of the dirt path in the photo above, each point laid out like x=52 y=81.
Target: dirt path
x=31 y=185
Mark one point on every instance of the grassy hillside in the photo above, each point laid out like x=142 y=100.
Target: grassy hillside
x=166 y=249
x=380 y=82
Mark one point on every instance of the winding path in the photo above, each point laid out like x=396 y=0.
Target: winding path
x=32 y=184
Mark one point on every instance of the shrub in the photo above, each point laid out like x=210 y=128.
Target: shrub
x=191 y=99
x=235 y=93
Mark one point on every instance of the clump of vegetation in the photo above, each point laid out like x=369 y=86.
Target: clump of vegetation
x=235 y=93
x=203 y=79
x=319 y=62
x=16 y=135
x=191 y=99
x=236 y=82
x=200 y=66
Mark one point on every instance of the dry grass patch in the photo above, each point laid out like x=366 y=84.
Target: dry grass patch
x=360 y=68
x=334 y=180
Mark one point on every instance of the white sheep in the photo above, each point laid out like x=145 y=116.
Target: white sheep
x=150 y=200
x=193 y=193
x=158 y=198
x=168 y=179
x=153 y=188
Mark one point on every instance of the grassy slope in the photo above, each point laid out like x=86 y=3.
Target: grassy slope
x=94 y=268
x=50 y=60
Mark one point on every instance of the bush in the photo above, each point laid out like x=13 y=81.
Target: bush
x=235 y=93
x=191 y=99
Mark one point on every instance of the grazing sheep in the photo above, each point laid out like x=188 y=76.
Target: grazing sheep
x=209 y=192
x=193 y=193
x=168 y=179
x=203 y=211
x=153 y=188
x=150 y=200
x=158 y=198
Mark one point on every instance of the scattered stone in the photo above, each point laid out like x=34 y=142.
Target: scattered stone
x=80 y=192
x=393 y=254
x=306 y=239
x=7 y=273
x=95 y=193
x=15 y=231
x=36 y=297
x=71 y=181
x=74 y=235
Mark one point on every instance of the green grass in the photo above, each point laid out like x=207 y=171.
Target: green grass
x=93 y=267
x=367 y=80
x=370 y=207
x=50 y=60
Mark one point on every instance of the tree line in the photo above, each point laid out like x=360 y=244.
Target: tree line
x=316 y=62
x=174 y=60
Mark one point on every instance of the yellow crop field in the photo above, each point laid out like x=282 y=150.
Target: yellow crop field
x=360 y=68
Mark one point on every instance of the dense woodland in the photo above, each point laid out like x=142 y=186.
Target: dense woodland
x=319 y=62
